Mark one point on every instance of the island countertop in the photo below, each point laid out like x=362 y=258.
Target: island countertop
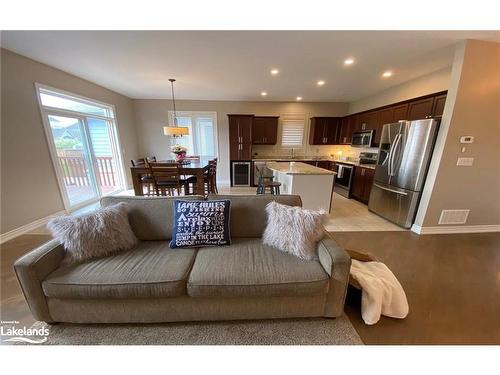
x=297 y=168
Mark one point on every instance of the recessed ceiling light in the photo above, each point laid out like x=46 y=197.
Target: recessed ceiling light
x=274 y=71
x=321 y=83
x=263 y=93
x=299 y=98
x=387 y=73
x=349 y=61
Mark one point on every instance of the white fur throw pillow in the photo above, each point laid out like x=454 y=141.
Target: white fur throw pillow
x=294 y=230
x=96 y=234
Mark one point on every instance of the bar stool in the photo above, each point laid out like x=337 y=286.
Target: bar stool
x=266 y=182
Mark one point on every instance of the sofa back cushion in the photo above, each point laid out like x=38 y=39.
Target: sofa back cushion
x=151 y=218
x=248 y=212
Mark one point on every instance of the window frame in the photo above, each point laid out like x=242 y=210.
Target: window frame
x=293 y=117
x=46 y=111
x=212 y=114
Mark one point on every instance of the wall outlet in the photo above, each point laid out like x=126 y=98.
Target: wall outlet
x=465 y=162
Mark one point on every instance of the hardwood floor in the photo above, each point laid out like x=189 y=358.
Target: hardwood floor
x=13 y=305
x=452 y=283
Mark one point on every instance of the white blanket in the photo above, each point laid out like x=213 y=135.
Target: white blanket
x=382 y=292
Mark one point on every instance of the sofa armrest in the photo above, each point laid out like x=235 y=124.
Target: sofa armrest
x=337 y=264
x=31 y=269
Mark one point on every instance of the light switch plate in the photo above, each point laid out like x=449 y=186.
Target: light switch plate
x=465 y=162
x=467 y=139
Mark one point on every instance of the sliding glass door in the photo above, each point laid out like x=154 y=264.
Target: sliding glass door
x=74 y=160
x=84 y=147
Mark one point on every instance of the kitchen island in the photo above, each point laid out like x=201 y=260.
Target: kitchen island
x=313 y=184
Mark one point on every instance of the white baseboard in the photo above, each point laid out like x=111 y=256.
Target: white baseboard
x=28 y=227
x=455 y=229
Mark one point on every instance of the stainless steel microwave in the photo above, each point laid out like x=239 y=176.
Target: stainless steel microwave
x=362 y=138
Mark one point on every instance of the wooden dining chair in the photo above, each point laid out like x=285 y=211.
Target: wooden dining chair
x=166 y=178
x=146 y=178
x=212 y=177
x=209 y=178
x=138 y=162
x=150 y=159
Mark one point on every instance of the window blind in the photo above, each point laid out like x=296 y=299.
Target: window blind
x=292 y=133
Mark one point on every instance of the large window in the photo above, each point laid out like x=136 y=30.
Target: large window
x=202 y=138
x=84 y=146
x=292 y=131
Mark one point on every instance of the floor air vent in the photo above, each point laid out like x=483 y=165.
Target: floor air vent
x=453 y=216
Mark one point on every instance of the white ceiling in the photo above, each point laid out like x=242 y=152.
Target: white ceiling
x=234 y=65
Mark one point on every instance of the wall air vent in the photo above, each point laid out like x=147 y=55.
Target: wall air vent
x=453 y=216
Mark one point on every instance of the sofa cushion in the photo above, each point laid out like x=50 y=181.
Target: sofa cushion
x=151 y=269
x=249 y=268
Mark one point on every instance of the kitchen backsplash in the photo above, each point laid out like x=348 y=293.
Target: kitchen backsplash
x=312 y=151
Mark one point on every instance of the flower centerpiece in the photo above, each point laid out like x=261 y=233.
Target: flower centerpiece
x=179 y=151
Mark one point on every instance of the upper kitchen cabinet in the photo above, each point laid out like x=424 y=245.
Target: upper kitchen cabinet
x=387 y=116
x=438 y=109
x=420 y=109
x=324 y=130
x=240 y=137
x=346 y=128
x=368 y=120
x=400 y=112
x=265 y=130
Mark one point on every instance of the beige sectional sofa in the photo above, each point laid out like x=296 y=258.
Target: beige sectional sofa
x=153 y=283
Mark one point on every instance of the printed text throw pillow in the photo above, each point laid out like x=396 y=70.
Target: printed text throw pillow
x=201 y=223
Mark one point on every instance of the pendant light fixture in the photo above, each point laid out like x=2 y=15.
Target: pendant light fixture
x=175 y=130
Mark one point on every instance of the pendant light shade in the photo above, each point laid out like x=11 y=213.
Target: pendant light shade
x=173 y=130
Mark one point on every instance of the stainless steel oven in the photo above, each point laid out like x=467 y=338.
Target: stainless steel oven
x=362 y=138
x=343 y=179
x=240 y=173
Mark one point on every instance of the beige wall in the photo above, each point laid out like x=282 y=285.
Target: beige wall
x=152 y=114
x=29 y=185
x=473 y=108
x=428 y=84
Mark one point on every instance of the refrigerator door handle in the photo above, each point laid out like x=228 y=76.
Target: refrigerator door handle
x=391 y=190
x=393 y=154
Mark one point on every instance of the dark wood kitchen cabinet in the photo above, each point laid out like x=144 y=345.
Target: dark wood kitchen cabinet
x=349 y=125
x=387 y=116
x=240 y=137
x=362 y=183
x=368 y=120
x=324 y=130
x=420 y=109
x=265 y=130
x=438 y=108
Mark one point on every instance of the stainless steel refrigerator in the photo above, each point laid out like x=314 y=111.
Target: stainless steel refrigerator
x=404 y=156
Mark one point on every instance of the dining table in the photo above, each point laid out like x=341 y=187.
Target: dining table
x=193 y=167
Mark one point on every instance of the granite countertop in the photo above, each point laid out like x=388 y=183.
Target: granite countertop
x=297 y=168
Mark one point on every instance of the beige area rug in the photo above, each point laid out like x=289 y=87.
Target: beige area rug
x=311 y=331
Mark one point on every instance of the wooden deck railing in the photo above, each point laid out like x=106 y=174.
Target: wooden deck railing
x=74 y=170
